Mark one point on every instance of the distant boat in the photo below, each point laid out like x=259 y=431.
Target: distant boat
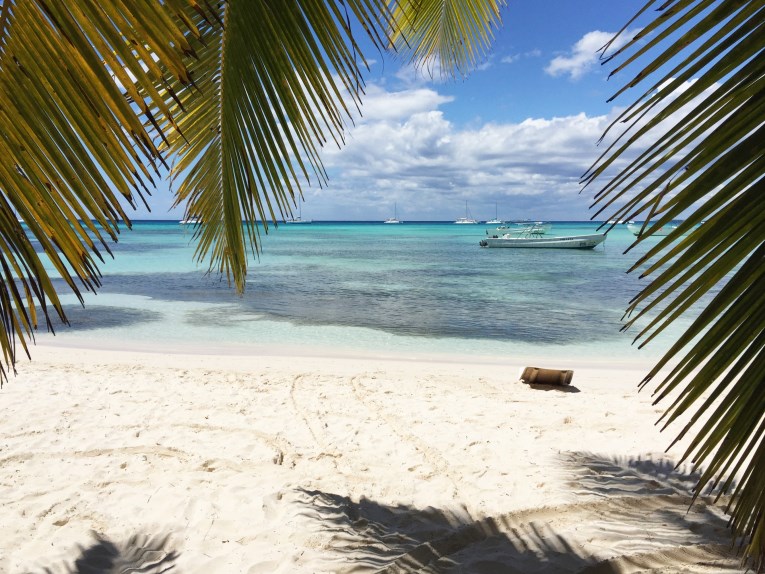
x=496 y=220
x=468 y=219
x=191 y=220
x=661 y=232
x=393 y=219
x=538 y=242
x=299 y=218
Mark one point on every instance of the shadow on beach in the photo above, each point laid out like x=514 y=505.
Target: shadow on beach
x=628 y=516
x=556 y=388
x=149 y=555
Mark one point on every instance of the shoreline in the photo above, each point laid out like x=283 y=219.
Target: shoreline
x=548 y=358
x=292 y=463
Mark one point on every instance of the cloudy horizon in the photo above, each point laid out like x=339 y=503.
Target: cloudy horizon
x=515 y=137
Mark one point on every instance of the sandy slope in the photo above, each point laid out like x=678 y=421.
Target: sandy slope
x=290 y=464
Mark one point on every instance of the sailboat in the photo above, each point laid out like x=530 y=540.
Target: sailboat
x=299 y=218
x=393 y=219
x=468 y=219
x=496 y=220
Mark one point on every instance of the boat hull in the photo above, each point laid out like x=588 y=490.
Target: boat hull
x=570 y=242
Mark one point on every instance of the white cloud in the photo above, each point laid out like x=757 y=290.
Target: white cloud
x=405 y=151
x=429 y=72
x=512 y=58
x=484 y=66
x=584 y=55
x=381 y=105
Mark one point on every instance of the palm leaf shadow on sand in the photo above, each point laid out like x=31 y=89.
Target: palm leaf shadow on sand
x=627 y=516
x=140 y=553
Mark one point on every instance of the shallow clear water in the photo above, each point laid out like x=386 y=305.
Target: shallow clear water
x=366 y=288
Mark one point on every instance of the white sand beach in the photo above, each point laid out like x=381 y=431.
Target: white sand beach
x=303 y=465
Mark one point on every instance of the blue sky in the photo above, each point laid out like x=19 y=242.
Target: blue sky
x=517 y=133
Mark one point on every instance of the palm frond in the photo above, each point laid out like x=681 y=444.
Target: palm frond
x=240 y=95
x=436 y=32
x=71 y=143
x=269 y=90
x=274 y=83
x=704 y=118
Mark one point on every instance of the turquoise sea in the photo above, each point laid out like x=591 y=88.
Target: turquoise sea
x=355 y=288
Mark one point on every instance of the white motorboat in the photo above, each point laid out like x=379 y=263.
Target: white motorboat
x=467 y=220
x=530 y=241
x=191 y=220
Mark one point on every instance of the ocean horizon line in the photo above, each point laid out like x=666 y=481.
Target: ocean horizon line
x=410 y=222
x=177 y=221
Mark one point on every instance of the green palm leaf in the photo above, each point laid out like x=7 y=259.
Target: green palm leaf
x=433 y=31
x=71 y=144
x=263 y=103
x=276 y=84
x=96 y=98
x=705 y=113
